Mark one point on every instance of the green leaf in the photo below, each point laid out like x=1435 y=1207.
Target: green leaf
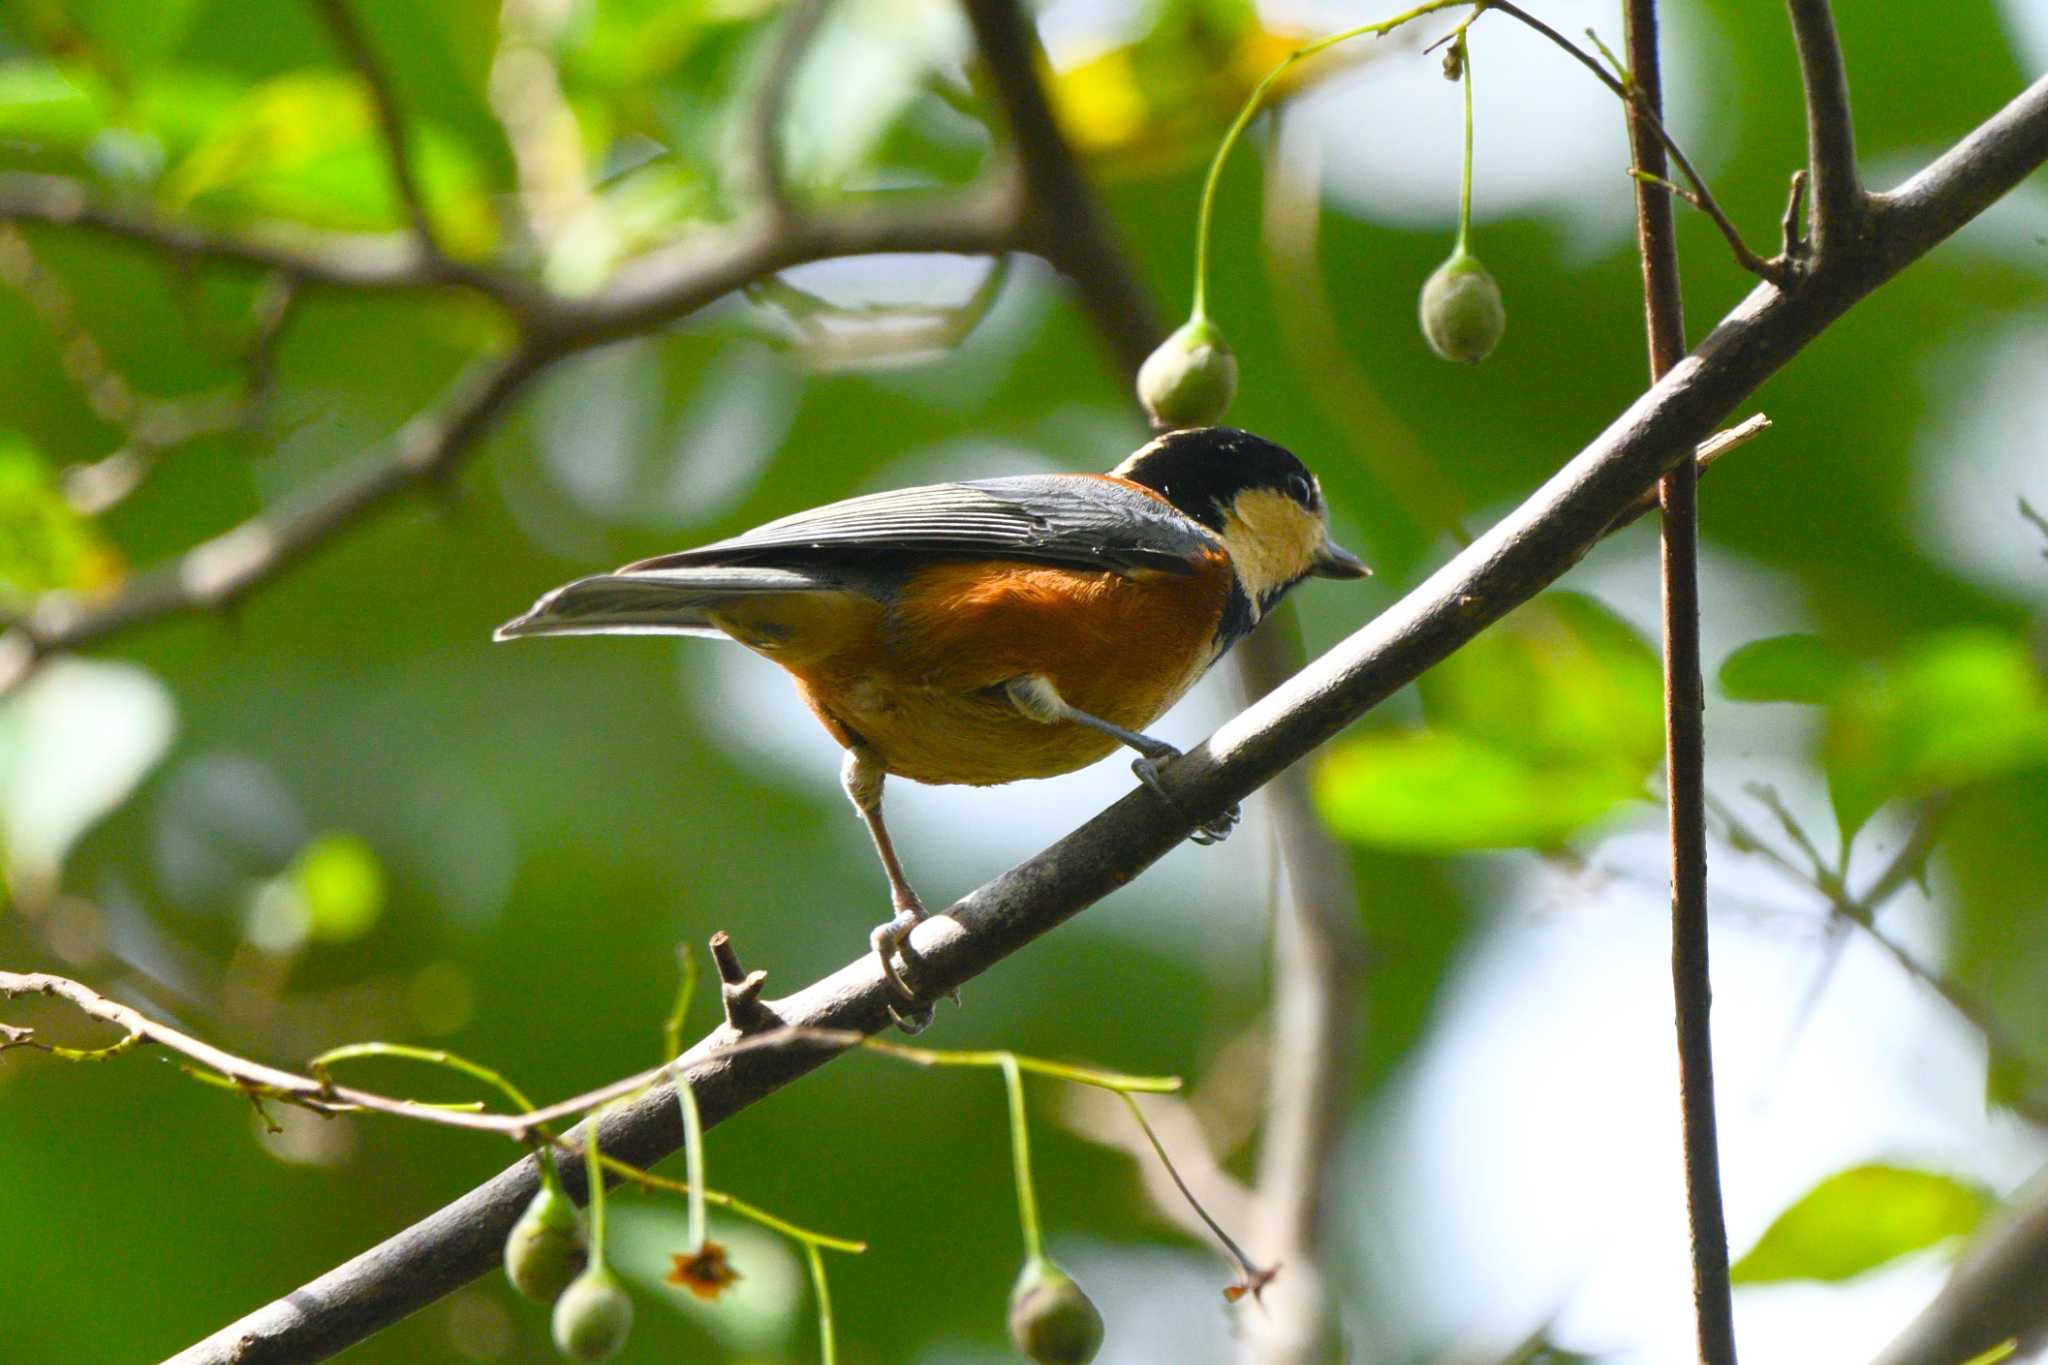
x=1802 y=668
x=1560 y=678
x=44 y=544
x=135 y=32
x=1958 y=707
x=305 y=147
x=1438 y=791
x=1536 y=729
x=1859 y=1219
x=341 y=885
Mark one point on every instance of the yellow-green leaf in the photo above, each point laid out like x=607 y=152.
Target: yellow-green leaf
x=1859 y=1219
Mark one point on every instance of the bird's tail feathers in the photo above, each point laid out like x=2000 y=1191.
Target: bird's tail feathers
x=652 y=602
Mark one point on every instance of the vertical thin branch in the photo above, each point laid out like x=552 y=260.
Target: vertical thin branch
x=355 y=46
x=1684 y=704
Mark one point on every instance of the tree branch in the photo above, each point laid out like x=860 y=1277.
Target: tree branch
x=657 y=290
x=218 y=572
x=1838 y=206
x=1993 y=1296
x=1063 y=221
x=1684 y=713
x=1523 y=553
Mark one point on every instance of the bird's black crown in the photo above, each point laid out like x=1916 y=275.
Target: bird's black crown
x=1203 y=470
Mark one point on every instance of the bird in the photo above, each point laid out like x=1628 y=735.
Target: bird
x=992 y=630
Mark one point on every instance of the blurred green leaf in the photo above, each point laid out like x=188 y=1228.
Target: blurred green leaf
x=43 y=102
x=1536 y=729
x=341 y=884
x=304 y=146
x=44 y=544
x=1802 y=668
x=1859 y=1219
x=68 y=108
x=1957 y=707
x=134 y=33
x=1438 y=791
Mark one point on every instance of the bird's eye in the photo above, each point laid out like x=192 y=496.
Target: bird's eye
x=1301 y=490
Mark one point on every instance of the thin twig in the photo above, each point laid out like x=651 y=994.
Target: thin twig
x=1684 y=715
x=1698 y=195
x=355 y=46
x=1860 y=911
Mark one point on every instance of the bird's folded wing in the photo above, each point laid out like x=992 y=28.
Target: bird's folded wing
x=1077 y=520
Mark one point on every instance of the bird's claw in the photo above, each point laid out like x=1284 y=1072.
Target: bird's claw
x=891 y=941
x=1209 y=831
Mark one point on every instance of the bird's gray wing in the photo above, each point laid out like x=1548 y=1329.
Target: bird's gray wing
x=1083 y=521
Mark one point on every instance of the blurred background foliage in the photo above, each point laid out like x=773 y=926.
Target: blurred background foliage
x=342 y=814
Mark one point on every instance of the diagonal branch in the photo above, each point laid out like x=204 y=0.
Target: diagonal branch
x=216 y=573
x=1063 y=221
x=1839 y=204
x=657 y=290
x=1526 y=551
x=355 y=46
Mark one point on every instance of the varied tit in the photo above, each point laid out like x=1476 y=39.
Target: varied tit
x=993 y=630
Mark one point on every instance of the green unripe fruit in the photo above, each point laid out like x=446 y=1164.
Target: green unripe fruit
x=593 y=1316
x=1462 y=315
x=1051 y=1320
x=1190 y=380
x=547 y=1248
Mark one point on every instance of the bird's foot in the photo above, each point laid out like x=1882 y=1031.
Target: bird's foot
x=890 y=942
x=1208 y=832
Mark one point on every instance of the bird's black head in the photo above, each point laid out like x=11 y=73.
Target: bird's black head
x=1261 y=501
x=1203 y=471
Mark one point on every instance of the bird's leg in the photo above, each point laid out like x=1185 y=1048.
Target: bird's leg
x=862 y=775
x=1037 y=698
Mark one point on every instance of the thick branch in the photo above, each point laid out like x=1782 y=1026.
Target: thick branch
x=1838 y=204
x=1518 y=557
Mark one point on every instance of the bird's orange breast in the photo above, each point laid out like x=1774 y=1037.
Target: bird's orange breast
x=919 y=680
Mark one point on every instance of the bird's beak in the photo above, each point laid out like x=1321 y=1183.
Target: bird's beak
x=1334 y=561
